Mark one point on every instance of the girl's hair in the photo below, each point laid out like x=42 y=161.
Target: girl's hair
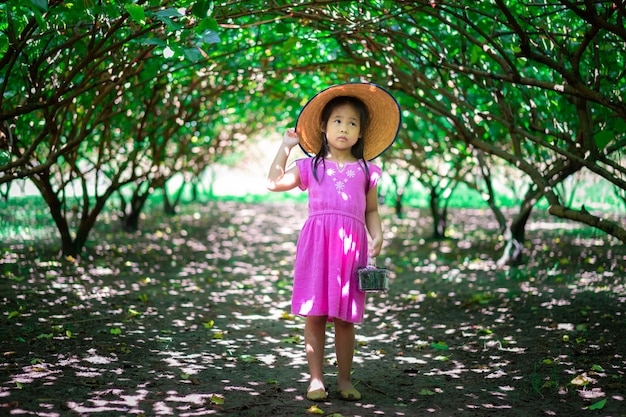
x=358 y=148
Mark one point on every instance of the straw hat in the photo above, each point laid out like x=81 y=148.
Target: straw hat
x=382 y=108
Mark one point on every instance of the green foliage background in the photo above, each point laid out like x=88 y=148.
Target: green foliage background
x=106 y=102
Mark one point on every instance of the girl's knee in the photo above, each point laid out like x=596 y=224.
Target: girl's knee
x=340 y=324
x=317 y=320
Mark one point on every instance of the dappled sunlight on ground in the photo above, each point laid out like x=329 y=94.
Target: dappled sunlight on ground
x=191 y=317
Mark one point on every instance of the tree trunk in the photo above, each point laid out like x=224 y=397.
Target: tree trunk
x=88 y=220
x=5 y=190
x=70 y=246
x=491 y=198
x=397 y=199
x=169 y=206
x=130 y=221
x=515 y=234
x=42 y=182
x=440 y=221
x=195 y=182
x=398 y=204
x=131 y=211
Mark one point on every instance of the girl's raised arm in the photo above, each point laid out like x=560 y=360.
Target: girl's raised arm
x=279 y=179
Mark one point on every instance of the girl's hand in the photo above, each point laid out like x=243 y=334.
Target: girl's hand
x=376 y=246
x=291 y=138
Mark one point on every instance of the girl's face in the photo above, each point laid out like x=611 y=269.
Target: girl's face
x=343 y=128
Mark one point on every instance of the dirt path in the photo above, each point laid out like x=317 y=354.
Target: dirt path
x=191 y=319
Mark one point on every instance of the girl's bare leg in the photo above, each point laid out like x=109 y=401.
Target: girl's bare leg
x=344 y=346
x=315 y=340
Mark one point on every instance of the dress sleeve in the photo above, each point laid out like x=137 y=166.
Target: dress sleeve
x=304 y=166
x=375 y=174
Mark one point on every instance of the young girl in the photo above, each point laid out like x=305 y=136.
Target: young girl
x=344 y=126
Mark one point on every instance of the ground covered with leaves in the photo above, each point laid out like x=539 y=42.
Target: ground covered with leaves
x=191 y=318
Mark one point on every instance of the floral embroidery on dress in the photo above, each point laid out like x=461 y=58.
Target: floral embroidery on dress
x=339 y=185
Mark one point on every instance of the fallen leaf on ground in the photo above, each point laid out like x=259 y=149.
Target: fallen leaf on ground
x=598 y=406
x=314 y=410
x=216 y=399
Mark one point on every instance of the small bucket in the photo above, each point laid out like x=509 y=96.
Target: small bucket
x=372 y=278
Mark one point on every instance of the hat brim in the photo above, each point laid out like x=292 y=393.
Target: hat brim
x=383 y=112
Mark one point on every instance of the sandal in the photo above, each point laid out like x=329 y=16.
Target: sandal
x=350 y=394
x=317 y=395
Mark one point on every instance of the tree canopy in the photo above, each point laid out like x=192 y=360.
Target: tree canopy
x=106 y=98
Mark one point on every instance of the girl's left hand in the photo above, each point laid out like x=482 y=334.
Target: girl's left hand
x=376 y=246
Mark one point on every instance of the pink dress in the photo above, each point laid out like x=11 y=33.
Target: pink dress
x=333 y=242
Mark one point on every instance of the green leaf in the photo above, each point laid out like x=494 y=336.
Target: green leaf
x=614 y=127
x=171 y=12
x=439 y=346
x=115 y=330
x=603 y=138
x=201 y=8
x=550 y=384
x=208 y=24
x=193 y=54
x=13 y=313
x=209 y=37
x=137 y=13
x=282 y=28
x=315 y=410
x=476 y=54
x=41 y=5
x=216 y=399
x=170 y=24
x=599 y=405
x=292 y=340
x=291 y=43
x=153 y=41
x=4 y=46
